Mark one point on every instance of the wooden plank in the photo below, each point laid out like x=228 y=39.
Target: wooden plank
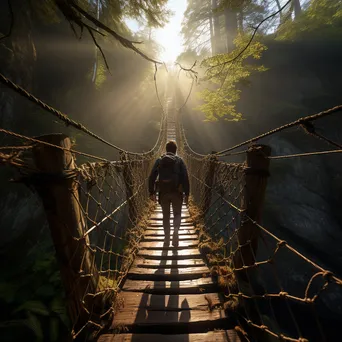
x=146 y=301
x=212 y=336
x=156 y=232
x=159 y=216
x=143 y=317
x=152 y=237
x=182 y=270
x=163 y=245
x=156 y=223
x=146 y=263
x=168 y=274
x=158 y=207
x=160 y=212
x=201 y=285
x=170 y=254
x=180 y=229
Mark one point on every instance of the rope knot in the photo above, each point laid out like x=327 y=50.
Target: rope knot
x=309 y=300
x=327 y=274
x=283 y=294
x=282 y=243
x=263 y=327
x=308 y=127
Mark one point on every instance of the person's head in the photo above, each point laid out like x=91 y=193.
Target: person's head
x=171 y=146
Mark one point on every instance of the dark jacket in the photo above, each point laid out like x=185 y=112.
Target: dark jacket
x=183 y=176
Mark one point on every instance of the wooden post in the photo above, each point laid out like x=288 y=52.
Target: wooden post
x=256 y=175
x=209 y=181
x=60 y=197
x=129 y=184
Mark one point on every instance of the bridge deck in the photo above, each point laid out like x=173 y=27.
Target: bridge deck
x=169 y=294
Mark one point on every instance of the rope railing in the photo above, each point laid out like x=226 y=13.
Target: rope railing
x=96 y=212
x=253 y=267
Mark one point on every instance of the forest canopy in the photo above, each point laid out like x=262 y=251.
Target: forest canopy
x=228 y=35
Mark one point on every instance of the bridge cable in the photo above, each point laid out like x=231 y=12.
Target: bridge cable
x=61 y=116
x=301 y=121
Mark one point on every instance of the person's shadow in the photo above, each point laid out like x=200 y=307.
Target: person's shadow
x=160 y=310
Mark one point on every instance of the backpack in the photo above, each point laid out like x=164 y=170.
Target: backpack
x=169 y=173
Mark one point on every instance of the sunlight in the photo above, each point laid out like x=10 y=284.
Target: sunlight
x=168 y=37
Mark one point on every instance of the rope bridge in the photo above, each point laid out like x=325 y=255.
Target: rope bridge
x=98 y=212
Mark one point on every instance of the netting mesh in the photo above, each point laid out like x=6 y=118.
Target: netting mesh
x=97 y=213
x=253 y=267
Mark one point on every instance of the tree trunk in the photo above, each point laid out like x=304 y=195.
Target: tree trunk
x=212 y=38
x=231 y=28
x=240 y=21
x=297 y=8
x=217 y=36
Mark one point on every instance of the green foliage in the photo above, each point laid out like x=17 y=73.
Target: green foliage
x=221 y=97
x=32 y=297
x=321 y=18
x=153 y=11
x=46 y=11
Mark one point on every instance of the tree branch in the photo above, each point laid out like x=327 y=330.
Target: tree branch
x=123 y=41
x=249 y=42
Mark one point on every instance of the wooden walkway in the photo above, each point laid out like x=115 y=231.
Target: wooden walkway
x=169 y=294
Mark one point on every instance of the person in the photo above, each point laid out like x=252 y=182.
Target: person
x=172 y=182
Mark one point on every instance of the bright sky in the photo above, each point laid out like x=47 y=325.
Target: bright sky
x=169 y=36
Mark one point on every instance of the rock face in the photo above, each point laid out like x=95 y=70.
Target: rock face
x=304 y=195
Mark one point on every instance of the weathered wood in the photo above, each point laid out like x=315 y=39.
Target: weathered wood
x=153 y=302
x=159 y=215
x=160 y=238
x=181 y=229
x=152 y=231
x=169 y=274
x=170 y=254
x=159 y=222
x=201 y=285
x=209 y=180
x=142 y=319
x=169 y=290
x=129 y=185
x=146 y=263
x=212 y=336
x=59 y=193
x=257 y=172
x=163 y=245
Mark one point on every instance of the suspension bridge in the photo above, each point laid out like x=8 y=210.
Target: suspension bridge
x=123 y=282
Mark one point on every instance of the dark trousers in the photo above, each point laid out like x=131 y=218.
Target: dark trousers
x=176 y=200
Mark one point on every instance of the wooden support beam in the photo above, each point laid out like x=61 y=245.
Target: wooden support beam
x=209 y=181
x=129 y=185
x=58 y=189
x=256 y=175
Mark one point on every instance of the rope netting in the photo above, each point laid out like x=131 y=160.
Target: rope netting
x=254 y=268
x=97 y=212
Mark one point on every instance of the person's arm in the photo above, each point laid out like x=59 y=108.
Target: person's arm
x=152 y=178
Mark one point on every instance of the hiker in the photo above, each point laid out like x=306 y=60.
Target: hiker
x=172 y=182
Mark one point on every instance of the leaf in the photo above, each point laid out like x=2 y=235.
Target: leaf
x=7 y=292
x=58 y=306
x=34 y=306
x=33 y=323
x=54 y=325
x=46 y=290
x=13 y=323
